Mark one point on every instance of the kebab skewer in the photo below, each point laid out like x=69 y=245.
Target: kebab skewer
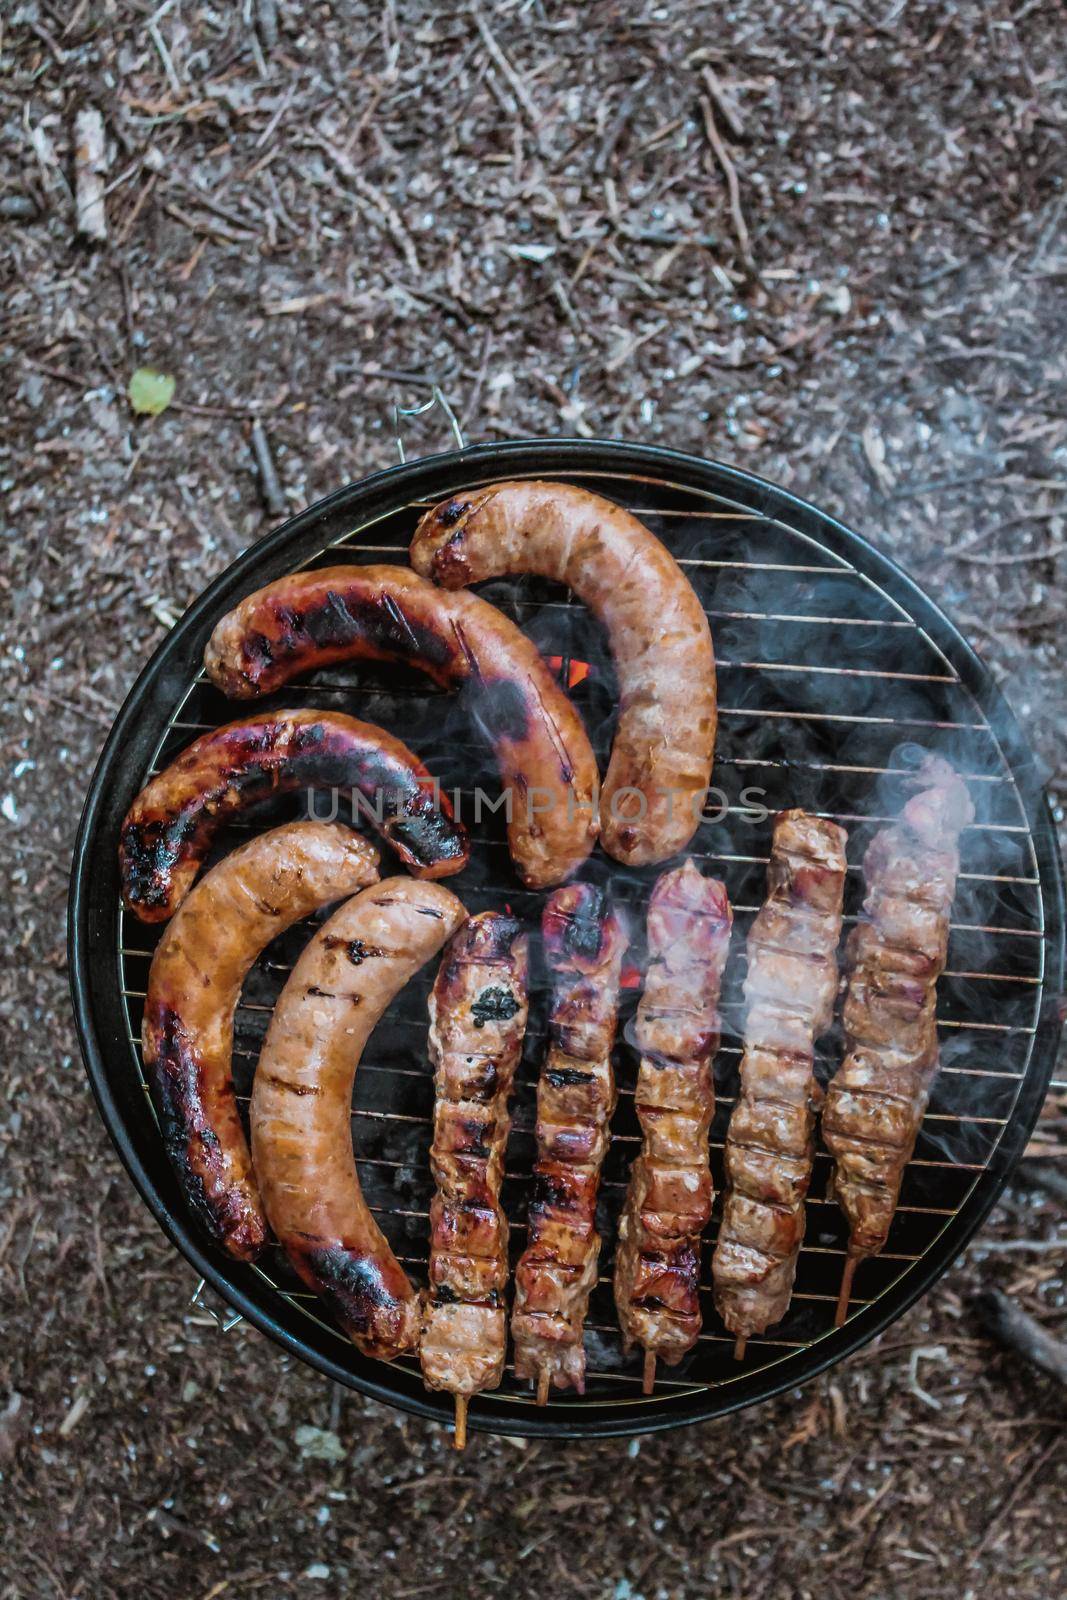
x=668 y=1203
x=584 y=942
x=478 y=1011
x=894 y=958
x=789 y=996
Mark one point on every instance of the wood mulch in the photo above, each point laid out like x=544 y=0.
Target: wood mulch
x=827 y=242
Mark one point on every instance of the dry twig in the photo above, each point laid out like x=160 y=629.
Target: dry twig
x=270 y=489
x=616 y=127
x=732 y=185
x=1010 y=1325
x=1013 y=1497
x=518 y=88
x=726 y=103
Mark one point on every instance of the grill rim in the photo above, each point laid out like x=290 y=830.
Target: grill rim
x=93 y=924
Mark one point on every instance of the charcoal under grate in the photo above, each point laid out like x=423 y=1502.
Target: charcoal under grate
x=833 y=667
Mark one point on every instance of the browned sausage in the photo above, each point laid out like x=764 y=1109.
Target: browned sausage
x=302 y=1100
x=376 y=613
x=660 y=640
x=169 y=828
x=193 y=987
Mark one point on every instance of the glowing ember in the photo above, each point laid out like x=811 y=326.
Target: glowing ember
x=577 y=671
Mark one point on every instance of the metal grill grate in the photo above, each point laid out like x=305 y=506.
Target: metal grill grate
x=823 y=674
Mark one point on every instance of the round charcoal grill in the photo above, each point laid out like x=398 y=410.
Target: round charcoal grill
x=831 y=664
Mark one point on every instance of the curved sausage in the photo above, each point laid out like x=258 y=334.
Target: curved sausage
x=302 y=1103
x=193 y=988
x=660 y=640
x=169 y=828
x=380 y=613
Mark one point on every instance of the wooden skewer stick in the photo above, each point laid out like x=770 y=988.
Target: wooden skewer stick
x=739 y=1346
x=460 y=1440
x=544 y=1378
x=648 y=1382
x=851 y=1263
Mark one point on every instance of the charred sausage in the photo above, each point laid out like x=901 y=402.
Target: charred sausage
x=302 y=1102
x=660 y=640
x=668 y=1203
x=584 y=943
x=770 y=1144
x=895 y=955
x=478 y=1012
x=194 y=984
x=169 y=828
x=381 y=613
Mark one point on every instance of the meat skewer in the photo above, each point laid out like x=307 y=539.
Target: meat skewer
x=770 y=1144
x=584 y=944
x=478 y=1012
x=668 y=1204
x=895 y=955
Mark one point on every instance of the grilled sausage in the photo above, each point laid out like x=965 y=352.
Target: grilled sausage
x=584 y=945
x=660 y=640
x=194 y=984
x=169 y=828
x=876 y=1102
x=668 y=1203
x=302 y=1101
x=789 y=993
x=478 y=1012
x=546 y=765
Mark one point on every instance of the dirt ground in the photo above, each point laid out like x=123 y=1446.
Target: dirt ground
x=824 y=241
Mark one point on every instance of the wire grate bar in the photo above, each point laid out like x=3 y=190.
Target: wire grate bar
x=839 y=749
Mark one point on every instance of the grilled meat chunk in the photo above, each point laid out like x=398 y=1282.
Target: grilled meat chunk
x=478 y=1012
x=668 y=1204
x=894 y=957
x=789 y=996
x=584 y=943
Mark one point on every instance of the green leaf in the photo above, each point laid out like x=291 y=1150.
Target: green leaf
x=150 y=392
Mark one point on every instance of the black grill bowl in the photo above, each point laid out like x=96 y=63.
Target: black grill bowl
x=831 y=662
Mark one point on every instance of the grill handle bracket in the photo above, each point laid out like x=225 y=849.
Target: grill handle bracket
x=223 y=1323
x=437 y=399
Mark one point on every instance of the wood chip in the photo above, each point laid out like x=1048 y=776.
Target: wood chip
x=90 y=166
